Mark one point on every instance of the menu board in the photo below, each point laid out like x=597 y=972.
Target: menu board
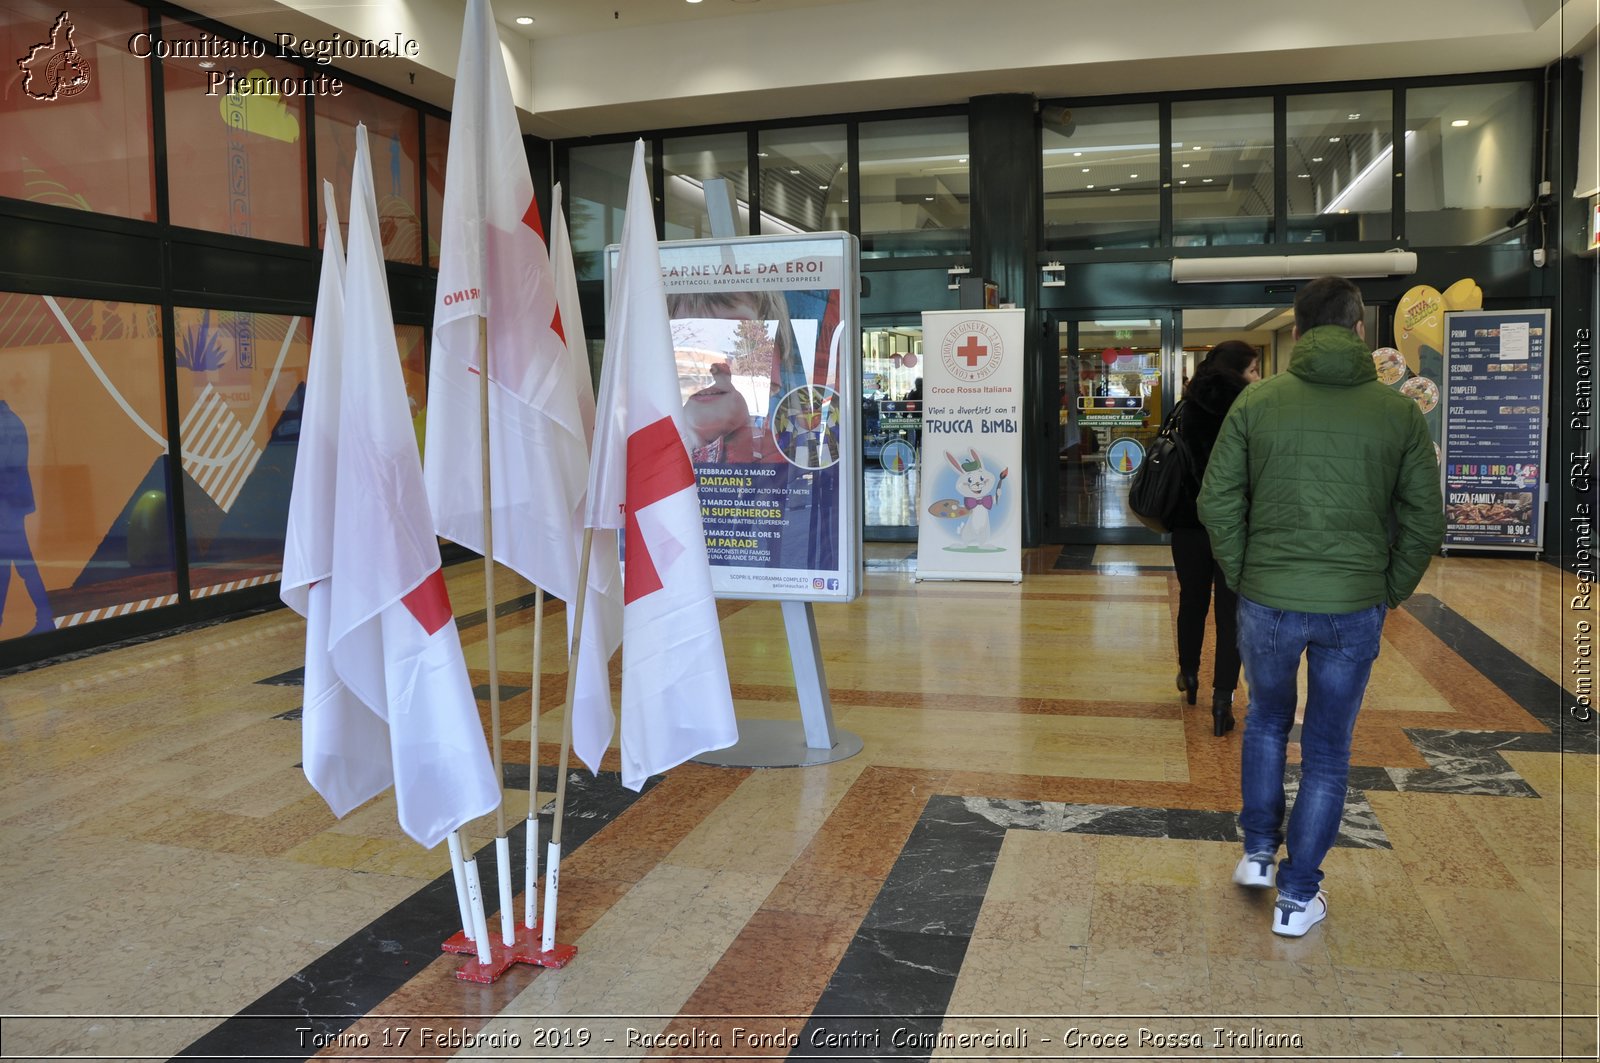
x=1493 y=448
x=765 y=337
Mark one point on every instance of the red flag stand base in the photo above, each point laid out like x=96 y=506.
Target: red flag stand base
x=527 y=948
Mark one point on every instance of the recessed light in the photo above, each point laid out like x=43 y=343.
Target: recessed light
x=1344 y=210
x=1133 y=175
x=1086 y=169
x=1205 y=180
x=1091 y=186
x=1316 y=158
x=694 y=1
x=1353 y=117
x=1187 y=165
x=1076 y=154
x=1459 y=122
x=796 y=172
x=761 y=154
x=822 y=188
x=962 y=159
x=1116 y=189
x=1333 y=140
x=1182 y=182
x=927 y=199
x=1197 y=147
x=524 y=20
x=1303 y=175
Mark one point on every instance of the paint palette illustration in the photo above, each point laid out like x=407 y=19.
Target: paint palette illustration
x=947 y=507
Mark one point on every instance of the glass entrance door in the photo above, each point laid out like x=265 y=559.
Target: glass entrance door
x=1115 y=378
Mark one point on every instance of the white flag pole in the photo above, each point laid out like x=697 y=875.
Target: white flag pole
x=530 y=871
x=552 y=872
x=479 y=924
x=458 y=869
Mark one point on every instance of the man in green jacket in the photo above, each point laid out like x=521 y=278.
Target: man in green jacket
x=1323 y=505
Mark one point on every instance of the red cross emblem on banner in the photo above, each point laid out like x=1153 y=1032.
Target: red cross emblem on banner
x=972 y=350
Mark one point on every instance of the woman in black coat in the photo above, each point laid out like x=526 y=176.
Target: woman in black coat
x=1226 y=371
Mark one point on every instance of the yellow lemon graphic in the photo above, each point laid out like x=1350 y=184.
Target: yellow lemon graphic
x=1419 y=323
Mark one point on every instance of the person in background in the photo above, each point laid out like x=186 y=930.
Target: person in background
x=1323 y=504
x=16 y=502
x=1227 y=369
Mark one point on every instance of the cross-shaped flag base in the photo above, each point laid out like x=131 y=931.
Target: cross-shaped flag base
x=527 y=947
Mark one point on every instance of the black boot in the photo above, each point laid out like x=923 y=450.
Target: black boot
x=1189 y=683
x=1221 y=712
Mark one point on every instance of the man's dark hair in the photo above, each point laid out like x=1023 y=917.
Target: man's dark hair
x=1328 y=301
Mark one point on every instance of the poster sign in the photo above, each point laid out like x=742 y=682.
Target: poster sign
x=970 y=519
x=1493 y=450
x=766 y=338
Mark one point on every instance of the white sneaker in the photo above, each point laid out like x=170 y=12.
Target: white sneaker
x=1256 y=870
x=1291 y=919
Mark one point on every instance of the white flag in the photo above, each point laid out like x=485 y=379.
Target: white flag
x=493 y=265
x=391 y=632
x=602 y=617
x=344 y=745
x=676 y=701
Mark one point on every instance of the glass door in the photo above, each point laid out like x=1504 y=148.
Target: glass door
x=891 y=428
x=1115 y=379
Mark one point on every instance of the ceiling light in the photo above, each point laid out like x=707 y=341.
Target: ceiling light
x=1333 y=140
x=1182 y=182
x=796 y=172
x=524 y=20
x=962 y=159
x=1205 y=180
x=1116 y=190
x=1459 y=122
x=761 y=154
x=1076 y=154
x=1353 y=117
x=1086 y=169
x=1091 y=186
x=927 y=199
x=1187 y=165
x=1316 y=158
x=1197 y=147
x=1303 y=175
x=1133 y=175
x=694 y=1
x=822 y=188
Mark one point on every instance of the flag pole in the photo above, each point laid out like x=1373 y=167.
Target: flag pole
x=530 y=876
x=553 y=857
x=501 y=845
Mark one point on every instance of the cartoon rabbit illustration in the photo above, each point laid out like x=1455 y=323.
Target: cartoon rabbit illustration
x=979 y=489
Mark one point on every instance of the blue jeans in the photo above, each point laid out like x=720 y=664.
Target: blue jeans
x=1340 y=648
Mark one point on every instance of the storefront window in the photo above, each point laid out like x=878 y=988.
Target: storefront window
x=392 y=137
x=1102 y=186
x=241 y=380
x=75 y=119
x=595 y=197
x=412 y=343
x=1222 y=172
x=85 y=512
x=805 y=182
x=692 y=161
x=438 y=131
x=1470 y=161
x=915 y=187
x=891 y=426
x=235 y=163
x=1341 y=166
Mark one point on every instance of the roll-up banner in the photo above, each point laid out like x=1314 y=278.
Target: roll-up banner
x=765 y=331
x=1492 y=455
x=970 y=524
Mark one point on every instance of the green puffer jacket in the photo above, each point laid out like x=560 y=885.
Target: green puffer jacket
x=1305 y=475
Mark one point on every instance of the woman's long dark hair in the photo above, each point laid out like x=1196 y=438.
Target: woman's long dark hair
x=1232 y=356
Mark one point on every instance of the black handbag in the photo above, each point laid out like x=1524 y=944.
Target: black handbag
x=1165 y=477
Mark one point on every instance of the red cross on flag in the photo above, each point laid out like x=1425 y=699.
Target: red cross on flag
x=676 y=702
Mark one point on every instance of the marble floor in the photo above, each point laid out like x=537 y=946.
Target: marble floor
x=1028 y=859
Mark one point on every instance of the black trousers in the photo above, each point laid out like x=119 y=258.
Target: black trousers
x=1198 y=577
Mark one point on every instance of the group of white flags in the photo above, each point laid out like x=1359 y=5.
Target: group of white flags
x=387 y=697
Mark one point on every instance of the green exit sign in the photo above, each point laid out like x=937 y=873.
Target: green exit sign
x=1124 y=333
